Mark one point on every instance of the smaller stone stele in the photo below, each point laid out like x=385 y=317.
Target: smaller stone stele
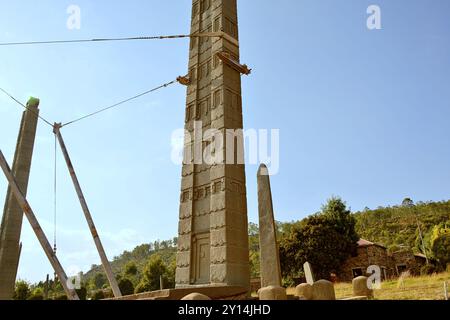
x=360 y=287
x=272 y=293
x=304 y=291
x=323 y=290
x=196 y=296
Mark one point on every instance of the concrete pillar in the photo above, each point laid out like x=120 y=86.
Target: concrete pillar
x=12 y=215
x=269 y=255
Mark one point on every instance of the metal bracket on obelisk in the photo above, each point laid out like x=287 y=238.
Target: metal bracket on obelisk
x=307 y=269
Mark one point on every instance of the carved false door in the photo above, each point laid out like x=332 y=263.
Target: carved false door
x=202 y=259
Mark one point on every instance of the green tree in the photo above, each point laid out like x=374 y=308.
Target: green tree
x=37 y=294
x=440 y=244
x=343 y=222
x=325 y=240
x=154 y=268
x=126 y=286
x=131 y=269
x=82 y=293
x=99 y=280
x=22 y=290
x=98 y=295
x=253 y=243
x=407 y=202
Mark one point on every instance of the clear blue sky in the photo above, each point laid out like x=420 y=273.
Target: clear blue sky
x=363 y=114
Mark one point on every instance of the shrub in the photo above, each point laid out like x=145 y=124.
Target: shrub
x=126 y=286
x=22 y=290
x=98 y=295
x=427 y=269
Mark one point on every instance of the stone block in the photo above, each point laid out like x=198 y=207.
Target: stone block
x=272 y=293
x=196 y=296
x=360 y=287
x=323 y=290
x=304 y=291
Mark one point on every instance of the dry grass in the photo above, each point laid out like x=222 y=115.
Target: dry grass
x=413 y=288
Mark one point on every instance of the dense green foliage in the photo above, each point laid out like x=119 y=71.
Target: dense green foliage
x=154 y=271
x=325 y=239
x=398 y=226
x=126 y=286
x=440 y=244
x=22 y=290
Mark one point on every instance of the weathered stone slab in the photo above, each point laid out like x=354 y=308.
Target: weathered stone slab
x=304 y=291
x=269 y=255
x=196 y=296
x=307 y=269
x=360 y=287
x=323 y=290
x=213 y=292
x=355 y=298
x=272 y=293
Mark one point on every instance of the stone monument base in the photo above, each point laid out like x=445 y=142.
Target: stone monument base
x=213 y=292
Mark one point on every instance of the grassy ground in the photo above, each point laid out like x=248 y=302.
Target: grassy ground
x=413 y=288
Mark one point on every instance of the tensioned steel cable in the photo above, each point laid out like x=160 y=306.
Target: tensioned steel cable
x=23 y=105
x=180 y=36
x=119 y=103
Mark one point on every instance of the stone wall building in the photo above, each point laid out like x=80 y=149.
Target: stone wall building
x=391 y=264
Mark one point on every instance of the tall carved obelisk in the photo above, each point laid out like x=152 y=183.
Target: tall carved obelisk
x=213 y=235
x=13 y=215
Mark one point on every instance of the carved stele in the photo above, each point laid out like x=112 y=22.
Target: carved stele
x=309 y=275
x=11 y=225
x=213 y=235
x=269 y=255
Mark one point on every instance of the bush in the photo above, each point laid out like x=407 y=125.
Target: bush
x=98 y=295
x=427 y=269
x=82 y=293
x=22 y=290
x=131 y=269
x=61 y=297
x=126 y=286
x=143 y=286
x=155 y=268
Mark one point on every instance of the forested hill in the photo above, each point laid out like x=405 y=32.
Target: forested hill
x=139 y=256
x=398 y=226
x=395 y=227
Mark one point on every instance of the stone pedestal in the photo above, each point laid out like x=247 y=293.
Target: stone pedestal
x=272 y=293
x=304 y=291
x=360 y=287
x=323 y=290
x=196 y=296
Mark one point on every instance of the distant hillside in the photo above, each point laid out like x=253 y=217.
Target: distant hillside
x=395 y=227
x=139 y=255
x=398 y=226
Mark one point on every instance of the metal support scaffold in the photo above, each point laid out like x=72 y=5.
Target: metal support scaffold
x=106 y=265
x=71 y=293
